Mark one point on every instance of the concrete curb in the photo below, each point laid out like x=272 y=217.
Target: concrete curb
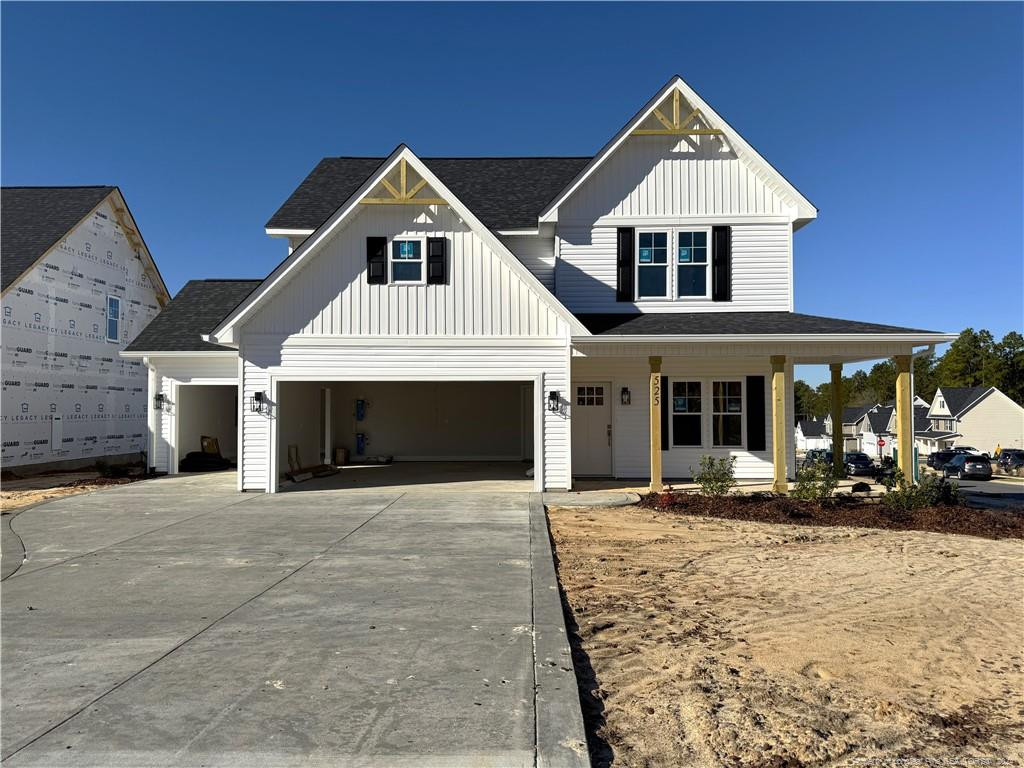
x=561 y=737
x=591 y=499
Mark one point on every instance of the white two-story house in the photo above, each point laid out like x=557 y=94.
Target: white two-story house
x=616 y=315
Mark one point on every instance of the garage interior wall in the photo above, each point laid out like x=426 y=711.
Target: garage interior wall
x=208 y=409
x=412 y=421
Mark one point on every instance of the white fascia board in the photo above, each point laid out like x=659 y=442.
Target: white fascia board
x=805 y=209
x=160 y=286
x=515 y=232
x=903 y=338
x=151 y=354
x=288 y=232
x=224 y=332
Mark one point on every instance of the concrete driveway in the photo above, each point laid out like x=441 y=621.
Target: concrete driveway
x=178 y=622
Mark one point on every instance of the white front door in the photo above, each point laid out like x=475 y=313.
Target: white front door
x=592 y=429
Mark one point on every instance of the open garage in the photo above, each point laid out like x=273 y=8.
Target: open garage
x=207 y=423
x=385 y=433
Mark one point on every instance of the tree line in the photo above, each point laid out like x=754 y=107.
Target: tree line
x=975 y=359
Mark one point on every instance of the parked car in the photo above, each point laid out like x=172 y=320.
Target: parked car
x=938 y=459
x=816 y=456
x=857 y=463
x=968 y=465
x=1010 y=458
x=964 y=449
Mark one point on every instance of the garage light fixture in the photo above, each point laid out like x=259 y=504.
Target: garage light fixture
x=158 y=401
x=554 y=401
x=259 y=403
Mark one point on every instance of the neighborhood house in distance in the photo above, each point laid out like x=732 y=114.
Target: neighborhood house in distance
x=622 y=314
x=78 y=285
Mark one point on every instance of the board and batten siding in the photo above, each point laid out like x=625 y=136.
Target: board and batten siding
x=330 y=295
x=631 y=423
x=537 y=253
x=762 y=271
x=169 y=372
x=652 y=176
x=487 y=360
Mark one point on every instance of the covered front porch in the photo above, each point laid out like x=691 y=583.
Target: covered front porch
x=647 y=409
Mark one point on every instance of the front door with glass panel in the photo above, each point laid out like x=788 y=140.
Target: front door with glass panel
x=591 y=429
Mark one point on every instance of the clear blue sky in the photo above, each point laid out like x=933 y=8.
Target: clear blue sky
x=902 y=123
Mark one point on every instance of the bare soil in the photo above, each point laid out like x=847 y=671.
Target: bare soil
x=845 y=511
x=725 y=643
x=16 y=493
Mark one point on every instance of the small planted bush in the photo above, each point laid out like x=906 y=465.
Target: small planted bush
x=901 y=495
x=815 y=482
x=716 y=476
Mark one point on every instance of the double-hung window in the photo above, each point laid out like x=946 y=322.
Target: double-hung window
x=652 y=265
x=686 y=413
x=727 y=414
x=113 y=318
x=691 y=264
x=407 y=261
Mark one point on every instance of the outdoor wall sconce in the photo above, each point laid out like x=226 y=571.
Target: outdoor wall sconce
x=625 y=397
x=554 y=402
x=158 y=401
x=258 y=403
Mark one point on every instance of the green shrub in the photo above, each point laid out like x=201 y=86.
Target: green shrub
x=717 y=476
x=901 y=495
x=815 y=482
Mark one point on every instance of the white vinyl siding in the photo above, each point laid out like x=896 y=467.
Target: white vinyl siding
x=484 y=296
x=761 y=271
x=996 y=420
x=631 y=423
x=537 y=253
x=668 y=176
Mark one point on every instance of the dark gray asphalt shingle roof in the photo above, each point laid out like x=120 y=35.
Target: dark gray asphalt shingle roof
x=717 y=323
x=198 y=308
x=879 y=419
x=854 y=413
x=812 y=427
x=503 y=192
x=958 y=398
x=33 y=219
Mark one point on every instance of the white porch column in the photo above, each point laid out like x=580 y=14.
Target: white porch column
x=779 y=424
x=905 y=416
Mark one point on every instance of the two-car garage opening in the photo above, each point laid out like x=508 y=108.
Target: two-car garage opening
x=449 y=434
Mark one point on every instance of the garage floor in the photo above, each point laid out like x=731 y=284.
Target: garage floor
x=179 y=622
x=433 y=476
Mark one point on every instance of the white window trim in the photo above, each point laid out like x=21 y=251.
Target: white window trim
x=106 y=330
x=672 y=413
x=669 y=282
x=676 y=265
x=671 y=279
x=742 y=414
x=422 y=261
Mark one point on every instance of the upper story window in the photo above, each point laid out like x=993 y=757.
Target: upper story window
x=689 y=279
x=692 y=264
x=113 y=318
x=652 y=265
x=407 y=261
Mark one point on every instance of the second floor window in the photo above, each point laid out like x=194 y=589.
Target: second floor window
x=113 y=318
x=691 y=264
x=407 y=261
x=652 y=265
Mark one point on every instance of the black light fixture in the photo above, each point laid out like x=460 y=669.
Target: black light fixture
x=625 y=397
x=554 y=402
x=258 y=402
x=158 y=401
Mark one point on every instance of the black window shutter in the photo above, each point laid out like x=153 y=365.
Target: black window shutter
x=437 y=261
x=377 y=260
x=755 y=413
x=624 y=264
x=665 y=401
x=721 y=263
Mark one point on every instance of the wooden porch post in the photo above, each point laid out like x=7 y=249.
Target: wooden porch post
x=905 y=416
x=779 y=424
x=838 y=439
x=655 y=408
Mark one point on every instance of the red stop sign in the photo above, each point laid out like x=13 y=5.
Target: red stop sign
x=881 y=442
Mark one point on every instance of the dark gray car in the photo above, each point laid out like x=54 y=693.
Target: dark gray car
x=968 y=466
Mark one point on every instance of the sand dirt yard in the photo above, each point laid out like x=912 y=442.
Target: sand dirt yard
x=725 y=643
